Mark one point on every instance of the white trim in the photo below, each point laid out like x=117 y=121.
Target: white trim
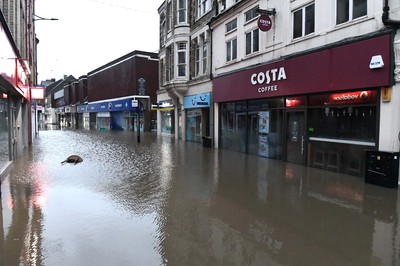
x=342 y=141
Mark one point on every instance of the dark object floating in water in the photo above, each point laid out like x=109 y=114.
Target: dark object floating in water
x=73 y=159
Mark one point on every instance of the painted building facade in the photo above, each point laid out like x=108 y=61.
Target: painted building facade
x=17 y=79
x=184 y=97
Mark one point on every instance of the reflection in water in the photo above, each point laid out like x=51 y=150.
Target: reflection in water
x=166 y=203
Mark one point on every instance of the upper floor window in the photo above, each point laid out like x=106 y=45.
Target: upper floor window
x=231 y=50
x=182 y=11
x=304 y=21
x=196 y=58
x=252 y=42
x=205 y=55
x=181 y=50
x=201 y=54
x=347 y=10
x=251 y=14
x=231 y=25
x=203 y=6
x=169 y=16
x=169 y=63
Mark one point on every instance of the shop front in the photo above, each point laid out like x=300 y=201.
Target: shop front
x=113 y=114
x=167 y=115
x=319 y=109
x=197 y=116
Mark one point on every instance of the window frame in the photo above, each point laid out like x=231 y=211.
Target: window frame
x=203 y=7
x=303 y=26
x=181 y=54
x=252 y=49
x=350 y=16
x=253 y=14
x=232 y=56
x=181 y=10
x=232 y=24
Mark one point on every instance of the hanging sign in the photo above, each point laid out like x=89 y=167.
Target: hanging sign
x=264 y=23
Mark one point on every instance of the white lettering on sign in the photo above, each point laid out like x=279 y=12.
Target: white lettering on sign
x=268 y=88
x=347 y=97
x=269 y=76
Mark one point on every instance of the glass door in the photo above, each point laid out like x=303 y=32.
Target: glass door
x=295 y=137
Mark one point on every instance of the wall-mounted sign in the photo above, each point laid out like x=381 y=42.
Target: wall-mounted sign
x=386 y=94
x=376 y=62
x=197 y=101
x=264 y=23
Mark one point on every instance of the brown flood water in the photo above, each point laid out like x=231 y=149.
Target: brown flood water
x=163 y=202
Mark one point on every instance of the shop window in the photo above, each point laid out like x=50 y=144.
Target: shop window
x=231 y=50
x=355 y=123
x=4 y=137
x=304 y=21
x=347 y=10
x=252 y=41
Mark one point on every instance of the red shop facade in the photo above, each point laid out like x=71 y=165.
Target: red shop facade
x=319 y=109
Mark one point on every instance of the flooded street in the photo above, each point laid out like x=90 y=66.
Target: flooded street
x=161 y=202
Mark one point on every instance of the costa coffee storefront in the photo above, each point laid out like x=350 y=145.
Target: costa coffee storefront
x=320 y=109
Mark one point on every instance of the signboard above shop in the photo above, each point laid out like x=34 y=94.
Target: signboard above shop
x=127 y=104
x=328 y=70
x=197 y=101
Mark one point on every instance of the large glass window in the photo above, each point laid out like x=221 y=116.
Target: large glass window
x=356 y=123
x=4 y=139
x=245 y=129
x=304 y=21
x=347 y=10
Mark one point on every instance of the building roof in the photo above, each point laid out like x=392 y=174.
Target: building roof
x=59 y=84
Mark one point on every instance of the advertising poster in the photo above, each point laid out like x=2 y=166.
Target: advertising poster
x=263 y=145
x=264 y=123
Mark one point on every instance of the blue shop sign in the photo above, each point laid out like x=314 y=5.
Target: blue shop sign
x=197 y=101
x=107 y=106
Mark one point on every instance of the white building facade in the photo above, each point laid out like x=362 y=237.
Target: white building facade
x=318 y=87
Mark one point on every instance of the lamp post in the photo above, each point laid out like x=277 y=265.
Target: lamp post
x=36 y=41
x=37 y=18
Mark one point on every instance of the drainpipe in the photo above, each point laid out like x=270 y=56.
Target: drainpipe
x=385 y=17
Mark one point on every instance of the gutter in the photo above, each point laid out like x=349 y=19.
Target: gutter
x=385 y=17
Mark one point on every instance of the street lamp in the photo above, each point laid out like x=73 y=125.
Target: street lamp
x=37 y=18
x=34 y=19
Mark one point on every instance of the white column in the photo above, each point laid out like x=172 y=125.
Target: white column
x=216 y=125
x=389 y=131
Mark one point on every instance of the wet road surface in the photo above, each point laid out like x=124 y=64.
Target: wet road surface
x=166 y=203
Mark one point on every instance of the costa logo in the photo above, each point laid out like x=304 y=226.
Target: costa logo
x=269 y=76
